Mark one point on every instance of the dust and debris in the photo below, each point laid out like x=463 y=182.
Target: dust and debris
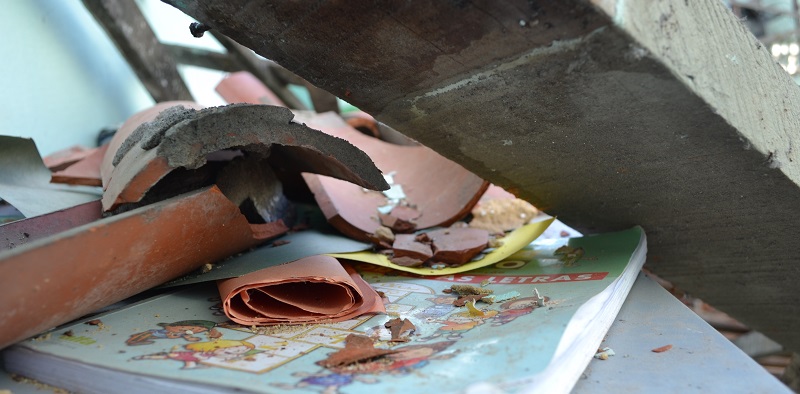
x=495 y=243
x=500 y=215
x=661 y=349
x=207 y=268
x=539 y=298
x=604 y=353
x=467 y=290
x=43 y=337
x=69 y=333
x=635 y=53
x=474 y=311
x=384 y=233
x=490 y=299
x=280 y=242
x=569 y=255
x=277 y=329
x=214 y=334
x=472 y=298
x=97 y=323
x=39 y=385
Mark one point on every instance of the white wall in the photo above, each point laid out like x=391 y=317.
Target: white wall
x=61 y=78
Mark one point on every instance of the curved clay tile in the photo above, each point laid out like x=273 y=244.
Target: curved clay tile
x=436 y=191
x=243 y=87
x=129 y=126
x=182 y=139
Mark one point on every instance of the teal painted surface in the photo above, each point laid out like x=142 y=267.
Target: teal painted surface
x=61 y=78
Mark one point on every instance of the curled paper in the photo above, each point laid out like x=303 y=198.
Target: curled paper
x=309 y=290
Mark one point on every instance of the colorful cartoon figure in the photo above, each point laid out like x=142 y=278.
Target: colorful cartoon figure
x=328 y=382
x=456 y=324
x=196 y=353
x=406 y=360
x=442 y=305
x=186 y=329
x=511 y=310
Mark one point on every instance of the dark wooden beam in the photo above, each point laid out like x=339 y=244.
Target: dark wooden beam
x=202 y=58
x=152 y=63
x=667 y=114
x=261 y=69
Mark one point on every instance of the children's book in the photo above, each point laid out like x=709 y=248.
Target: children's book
x=543 y=316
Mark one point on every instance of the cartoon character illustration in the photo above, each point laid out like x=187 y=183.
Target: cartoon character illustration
x=328 y=382
x=511 y=310
x=408 y=359
x=196 y=353
x=456 y=324
x=442 y=305
x=186 y=329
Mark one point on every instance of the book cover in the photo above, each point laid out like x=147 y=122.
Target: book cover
x=184 y=336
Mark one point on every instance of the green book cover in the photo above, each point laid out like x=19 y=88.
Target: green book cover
x=184 y=336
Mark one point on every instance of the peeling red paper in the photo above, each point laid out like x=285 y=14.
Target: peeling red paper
x=400 y=327
x=356 y=348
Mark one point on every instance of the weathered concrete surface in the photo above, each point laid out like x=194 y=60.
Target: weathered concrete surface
x=662 y=114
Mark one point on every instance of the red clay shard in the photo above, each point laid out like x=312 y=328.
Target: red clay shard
x=440 y=190
x=64 y=158
x=457 y=246
x=85 y=171
x=406 y=245
x=243 y=87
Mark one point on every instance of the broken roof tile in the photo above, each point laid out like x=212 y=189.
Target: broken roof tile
x=72 y=273
x=440 y=190
x=457 y=246
x=244 y=87
x=259 y=129
x=127 y=129
x=85 y=171
x=406 y=245
x=64 y=158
